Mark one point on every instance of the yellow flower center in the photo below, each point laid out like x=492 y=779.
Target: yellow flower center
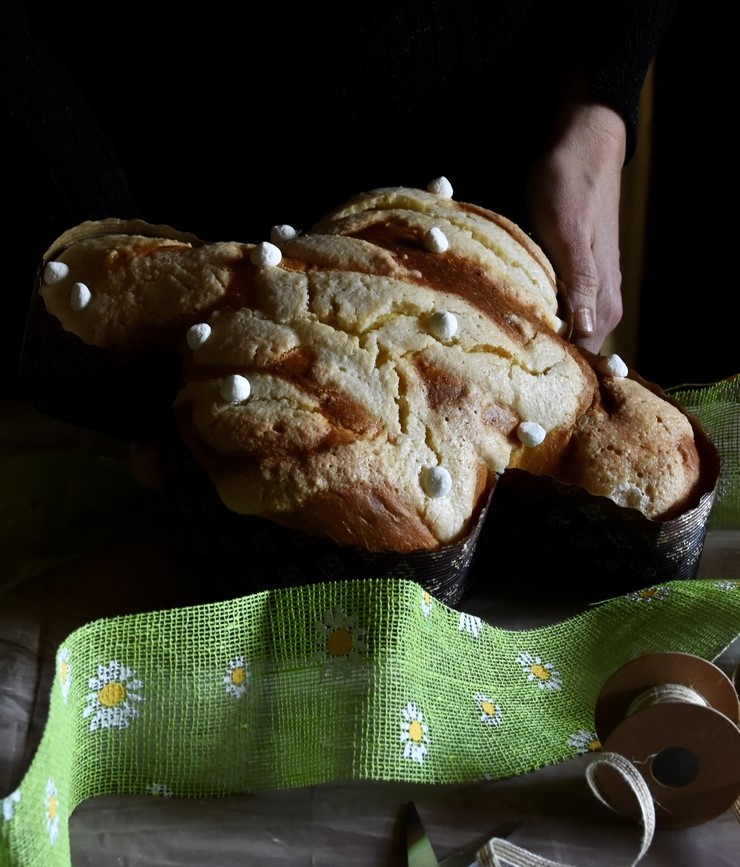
x=594 y=746
x=64 y=671
x=539 y=671
x=238 y=675
x=416 y=732
x=487 y=708
x=51 y=807
x=339 y=642
x=112 y=694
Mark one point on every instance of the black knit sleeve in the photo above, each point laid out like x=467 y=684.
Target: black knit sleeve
x=615 y=41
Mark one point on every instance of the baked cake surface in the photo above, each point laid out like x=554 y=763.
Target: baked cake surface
x=370 y=379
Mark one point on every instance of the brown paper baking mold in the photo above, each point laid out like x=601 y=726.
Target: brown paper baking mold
x=555 y=535
x=224 y=554
x=533 y=529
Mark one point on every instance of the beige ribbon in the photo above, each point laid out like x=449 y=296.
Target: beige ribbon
x=497 y=848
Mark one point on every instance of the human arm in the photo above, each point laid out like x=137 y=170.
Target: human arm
x=573 y=195
x=574 y=185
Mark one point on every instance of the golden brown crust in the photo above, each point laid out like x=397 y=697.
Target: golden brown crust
x=357 y=395
x=637 y=449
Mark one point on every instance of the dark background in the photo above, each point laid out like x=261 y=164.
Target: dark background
x=686 y=300
x=688 y=318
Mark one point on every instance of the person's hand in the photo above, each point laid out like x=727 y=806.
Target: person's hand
x=573 y=201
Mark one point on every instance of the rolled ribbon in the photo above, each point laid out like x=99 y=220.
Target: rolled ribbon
x=674 y=716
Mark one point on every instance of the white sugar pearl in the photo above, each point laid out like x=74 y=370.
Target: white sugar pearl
x=55 y=272
x=436 y=240
x=437 y=482
x=530 y=433
x=79 y=297
x=235 y=388
x=440 y=186
x=198 y=334
x=443 y=324
x=562 y=327
x=265 y=254
x=612 y=365
x=281 y=233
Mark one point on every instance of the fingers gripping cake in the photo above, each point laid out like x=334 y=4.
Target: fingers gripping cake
x=369 y=380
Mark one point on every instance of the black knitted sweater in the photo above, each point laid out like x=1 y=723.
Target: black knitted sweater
x=228 y=119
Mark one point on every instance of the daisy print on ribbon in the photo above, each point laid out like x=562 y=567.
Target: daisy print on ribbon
x=414 y=734
x=539 y=672
x=236 y=677
x=584 y=741
x=727 y=584
x=51 y=802
x=649 y=594
x=339 y=637
x=470 y=623
x=427 y=603
x=114 y=698
x=64 y=671
x=490 y=712
x=7 y=805
x=159 y=790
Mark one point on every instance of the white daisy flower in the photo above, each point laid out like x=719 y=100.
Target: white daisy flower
x=727 y=584
x=115 y=696
x=470 y=623
x=427 y=603
x=64 y=671
x=159 y=790
x=52 y=811
x=584 y=741
x=539 y=672
x=649 y=594
x=338 y=635
x=490 y=712
x=236 y=678
x=7 y=805
x=414 y=734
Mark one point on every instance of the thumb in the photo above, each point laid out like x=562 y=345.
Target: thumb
x=579 y=285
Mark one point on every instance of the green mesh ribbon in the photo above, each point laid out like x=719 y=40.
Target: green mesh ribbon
x=717 y=406
x=350 y=680
x=354 y=680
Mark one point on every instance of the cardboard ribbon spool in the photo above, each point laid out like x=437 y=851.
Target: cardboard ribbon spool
x=675 y=717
